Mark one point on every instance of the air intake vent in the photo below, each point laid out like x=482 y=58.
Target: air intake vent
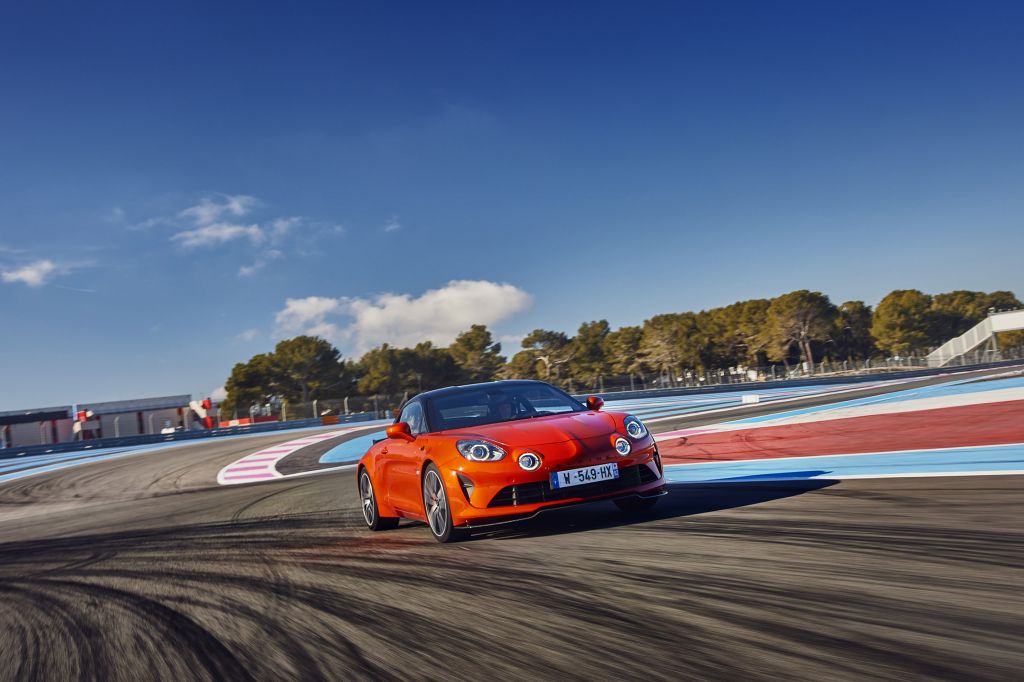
x=541 y=491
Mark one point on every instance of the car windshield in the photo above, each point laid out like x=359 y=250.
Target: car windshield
x=474 y=406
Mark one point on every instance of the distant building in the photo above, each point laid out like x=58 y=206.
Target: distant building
x=39 y=426
x=89 y=421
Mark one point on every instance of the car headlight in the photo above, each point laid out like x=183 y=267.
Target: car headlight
x=479 y=451
x=634 y=427
x=529 y=461
x=622 y=446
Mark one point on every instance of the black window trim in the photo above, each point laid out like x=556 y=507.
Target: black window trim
x=426 y=411
x=423 y=411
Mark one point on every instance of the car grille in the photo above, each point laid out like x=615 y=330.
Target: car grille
x=541 y=491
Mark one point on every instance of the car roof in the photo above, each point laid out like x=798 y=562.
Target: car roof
x=458 y=389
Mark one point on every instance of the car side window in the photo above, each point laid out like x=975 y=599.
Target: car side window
x=413 y=416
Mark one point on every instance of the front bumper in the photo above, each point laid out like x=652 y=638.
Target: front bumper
x=480 y=495
x=492 y=521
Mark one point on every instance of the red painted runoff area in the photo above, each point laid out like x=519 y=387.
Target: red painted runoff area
x=947 y=427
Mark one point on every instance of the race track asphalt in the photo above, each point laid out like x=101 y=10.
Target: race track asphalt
x=143 y=568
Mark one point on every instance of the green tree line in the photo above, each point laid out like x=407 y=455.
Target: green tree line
x=800 y=326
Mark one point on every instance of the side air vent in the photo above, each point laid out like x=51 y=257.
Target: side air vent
x=466 y=483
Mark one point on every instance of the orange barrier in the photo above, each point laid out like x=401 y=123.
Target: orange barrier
x=246 y=421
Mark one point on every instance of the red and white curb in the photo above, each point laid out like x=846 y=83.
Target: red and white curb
x=262 y=465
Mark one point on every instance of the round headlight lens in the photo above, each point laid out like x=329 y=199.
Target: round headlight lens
x=529 y=461
x=622 y=446
x=635 y=428
x=479 y=451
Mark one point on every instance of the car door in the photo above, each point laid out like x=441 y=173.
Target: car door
x=405 y=459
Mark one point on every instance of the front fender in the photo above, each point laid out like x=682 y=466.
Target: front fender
x=442 y=454
x=368 y=463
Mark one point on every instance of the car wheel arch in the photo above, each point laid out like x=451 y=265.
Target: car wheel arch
x=363 y=468
x=423 y=470
x=427 y=463
x=383 y=504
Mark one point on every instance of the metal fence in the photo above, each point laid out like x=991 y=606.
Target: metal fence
x=346 y=409
x=746 y=375
x=331 y=412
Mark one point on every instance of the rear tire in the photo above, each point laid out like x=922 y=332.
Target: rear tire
x=636 y=505
x=368 y=498
x=436 y=507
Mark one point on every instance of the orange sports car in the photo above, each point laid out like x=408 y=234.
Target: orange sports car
x=470 y=457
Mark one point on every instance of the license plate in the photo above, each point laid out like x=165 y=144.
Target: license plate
x=584 y=475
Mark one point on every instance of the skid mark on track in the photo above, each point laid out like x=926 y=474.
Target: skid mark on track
x=240 y=513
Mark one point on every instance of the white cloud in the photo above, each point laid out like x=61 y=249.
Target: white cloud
x=392 y=225
x=219 y=394
x=247 y=335
x=34 y=274
x=149 y=223
x=260 y=263
x=282 y=226
x=209 y=223
x=438 y=315
x=210 y=209
x=219 y=219
x=218 y=233
x=309 y=316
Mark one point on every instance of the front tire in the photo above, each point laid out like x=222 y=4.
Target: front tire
x=371 y=514
x=436 y=507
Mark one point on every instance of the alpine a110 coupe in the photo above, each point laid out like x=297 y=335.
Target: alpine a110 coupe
x=470 y=457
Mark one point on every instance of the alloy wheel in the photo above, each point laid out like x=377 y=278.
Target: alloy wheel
x=435 y=502
x=366 y=496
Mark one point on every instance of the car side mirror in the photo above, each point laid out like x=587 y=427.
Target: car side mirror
x=400 y=430
x=595 y=403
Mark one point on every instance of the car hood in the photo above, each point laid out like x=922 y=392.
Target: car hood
x=579 y=426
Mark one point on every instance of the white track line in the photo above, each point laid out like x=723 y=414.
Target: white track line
x=810 y=458
x=845 y=477
x=262 y=465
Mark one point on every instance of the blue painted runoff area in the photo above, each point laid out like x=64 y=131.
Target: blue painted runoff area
x=351 y=450
x=64 y=461
x=147 y=439
x=37 y=464
x=41 y=460
x=966 y=460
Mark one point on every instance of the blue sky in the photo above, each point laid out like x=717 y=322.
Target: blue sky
x=182 y=186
